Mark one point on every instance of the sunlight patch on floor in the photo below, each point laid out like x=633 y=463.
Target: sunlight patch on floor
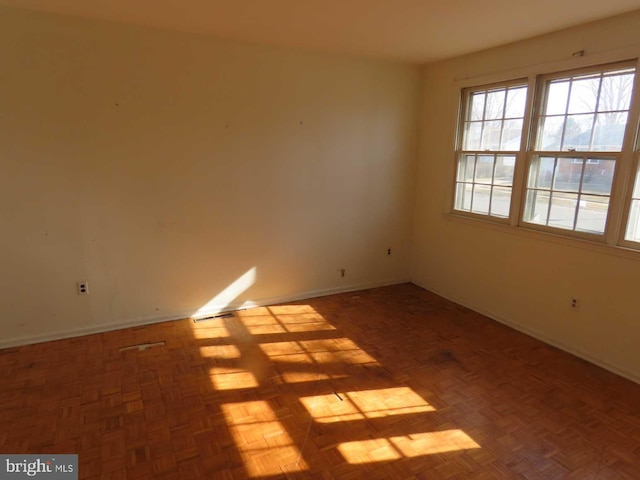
x=210 y=330
x=415 y=445
x=232 y=378
x=263 y=442
x=265 y=329
x=343 y=348
x=223 y=352
x=365 y=404
x=262 y=320
x=300 y=377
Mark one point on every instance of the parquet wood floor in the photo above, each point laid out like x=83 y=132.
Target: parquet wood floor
x=388 y=383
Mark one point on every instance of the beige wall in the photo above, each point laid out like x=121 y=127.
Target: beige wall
x=527 y=280
x=160 y=167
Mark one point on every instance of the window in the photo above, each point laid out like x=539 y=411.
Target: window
x=491 y=136
x=577 y=145
x=633 y=225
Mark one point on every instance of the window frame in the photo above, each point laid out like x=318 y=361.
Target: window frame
x=465 y=105
x=627 y=160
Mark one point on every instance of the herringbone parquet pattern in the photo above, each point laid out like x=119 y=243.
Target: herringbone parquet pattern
x=390 y=383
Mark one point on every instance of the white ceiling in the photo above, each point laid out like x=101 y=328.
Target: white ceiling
x=405 y=30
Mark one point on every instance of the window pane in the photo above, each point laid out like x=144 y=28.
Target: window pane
x=537 y=207
x=463 y=196
x=505 y=165
x=615 y=92
x=584 y=93
x=550 y=137
x=500 y=201
x=491 y=135
x=598 y=176
x=516 y=99
x=511 y=135
x=577 y=132
x=472 y=134
x=481 y=196
x=557 y=98
x=592 y=214
x=609 y=131
x=484 y=169
x=477 y=106
x=563 y=210
x=465 y=168
x=541 y=172
x=568 y=174
x=495 y=105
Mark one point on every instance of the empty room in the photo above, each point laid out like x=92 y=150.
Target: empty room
x=320 y=239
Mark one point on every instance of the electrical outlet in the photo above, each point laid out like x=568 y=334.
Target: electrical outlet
x=83 y=288
x=342 y=272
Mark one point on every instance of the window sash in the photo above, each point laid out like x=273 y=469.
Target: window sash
x=463 y=143
x=484 y=183
x=590 y=116
x=569 y=193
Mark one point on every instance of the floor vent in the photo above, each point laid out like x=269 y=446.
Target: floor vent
x=213 y=317
x=143 y=346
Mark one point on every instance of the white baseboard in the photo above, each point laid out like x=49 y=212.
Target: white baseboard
x=106 y=327
x=532 y=332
